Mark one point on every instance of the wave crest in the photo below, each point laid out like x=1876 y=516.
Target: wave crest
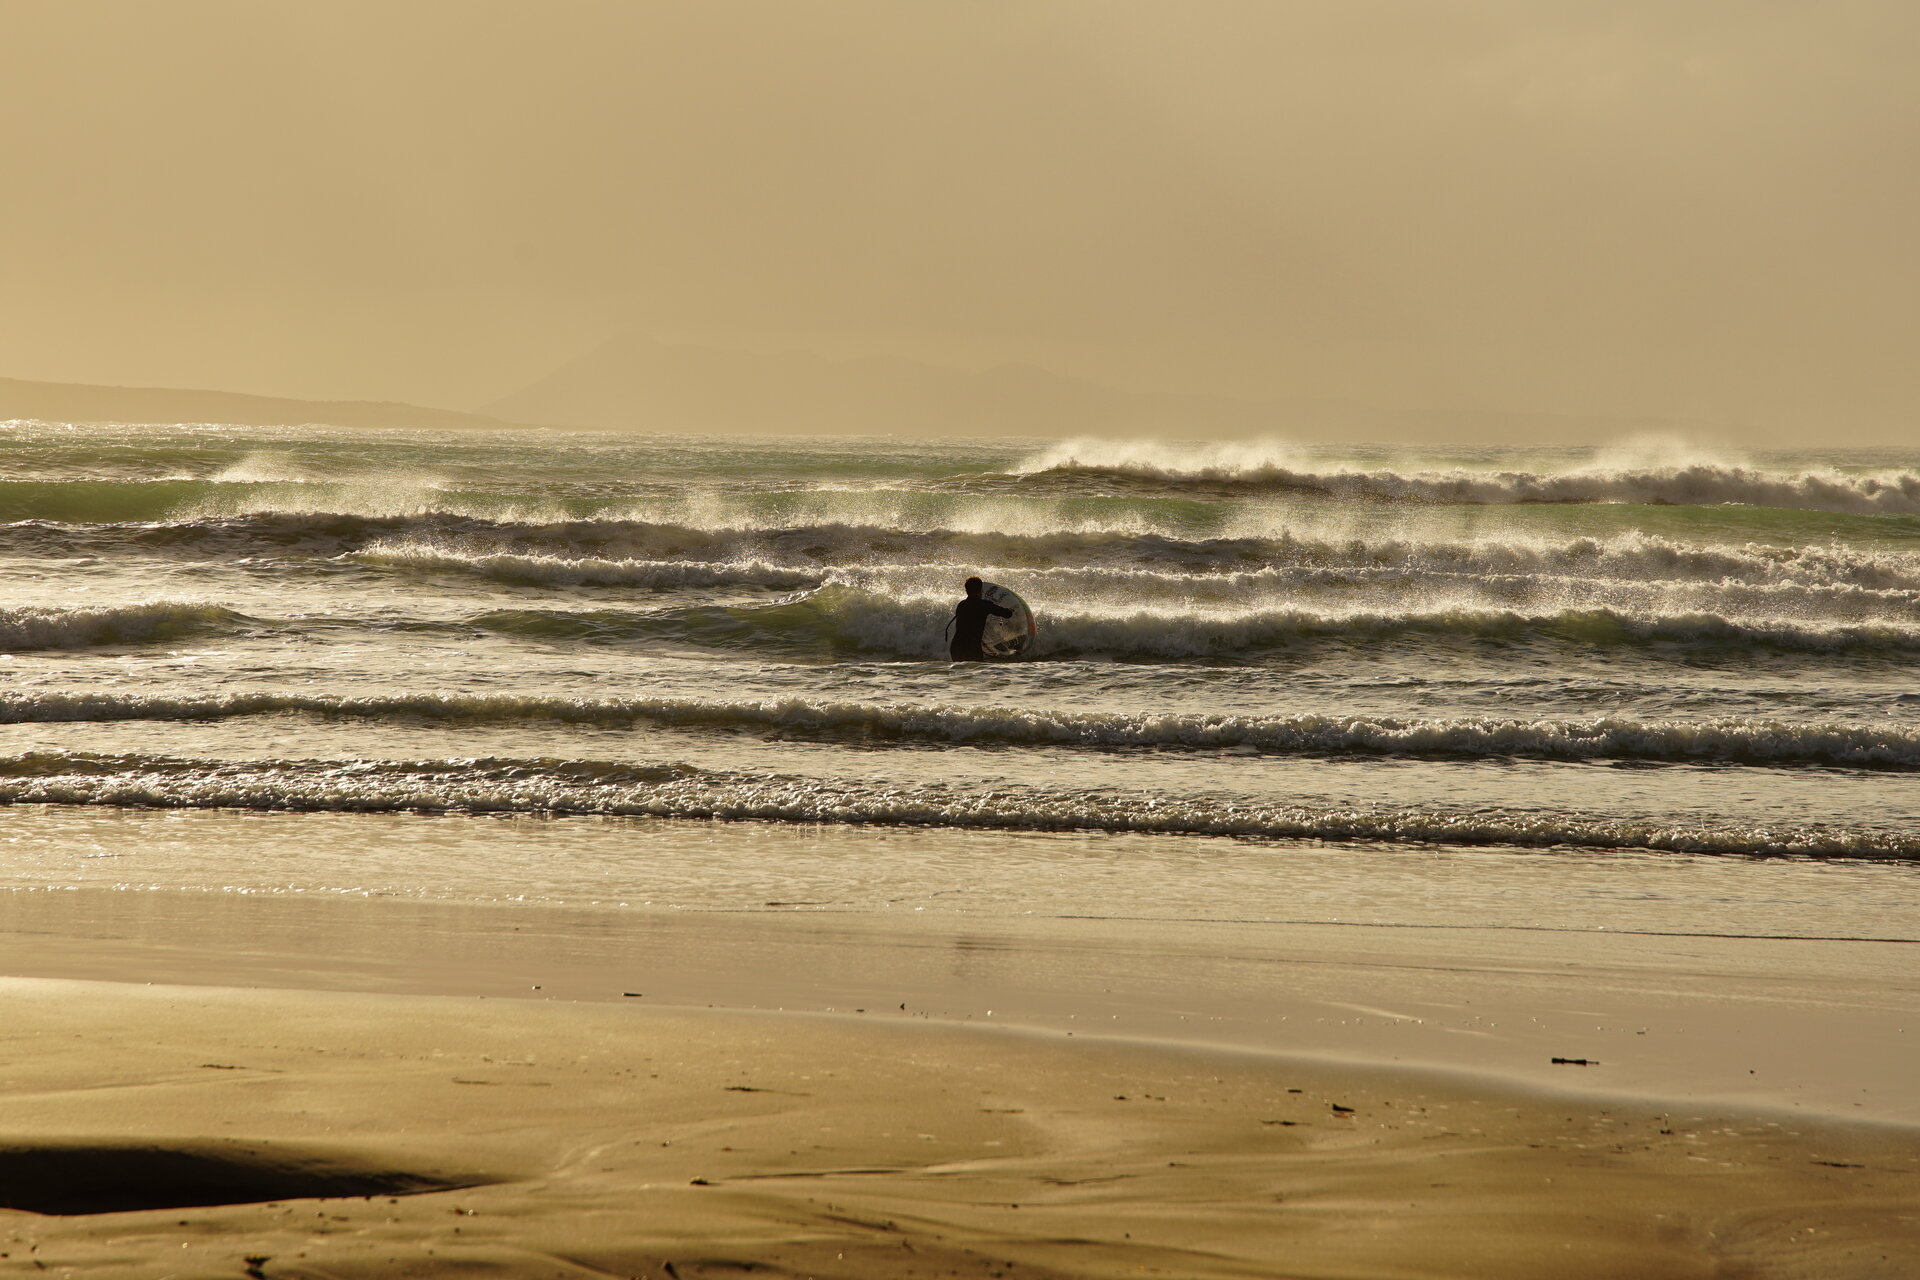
x=54 y=628
x=1279 y=468
x=1766 y=743
x=871 y=619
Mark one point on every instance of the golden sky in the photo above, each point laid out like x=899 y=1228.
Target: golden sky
x=1701 y=209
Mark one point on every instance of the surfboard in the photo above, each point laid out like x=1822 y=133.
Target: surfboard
x=1007 y=639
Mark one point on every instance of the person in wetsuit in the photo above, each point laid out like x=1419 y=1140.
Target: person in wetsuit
x=970 y=623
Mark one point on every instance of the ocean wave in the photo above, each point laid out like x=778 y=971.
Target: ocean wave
x=1409 y=589
x=1745 y=741
x=95 y=500
x=256 y=489
x=848 y=619
x=555 y=570
x=78 y=628
x=1629 y=557
x=564 y=787
x=1166 y=635
x=313 y=533
x=1280 y=468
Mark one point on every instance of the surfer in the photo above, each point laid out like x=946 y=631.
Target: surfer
x=970 y=623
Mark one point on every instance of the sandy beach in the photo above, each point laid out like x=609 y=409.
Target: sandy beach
x=221 y=1085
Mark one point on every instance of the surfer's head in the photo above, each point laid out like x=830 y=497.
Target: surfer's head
x=974 y=587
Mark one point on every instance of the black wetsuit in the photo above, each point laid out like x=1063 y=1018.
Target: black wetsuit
x=969 y=623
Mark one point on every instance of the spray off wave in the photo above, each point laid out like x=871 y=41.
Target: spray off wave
x=446 y=542
x=1281 y=469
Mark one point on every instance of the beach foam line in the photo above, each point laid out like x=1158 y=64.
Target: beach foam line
x=1765 y=743
x=38 y=627
x=1280 y=468
x=564 y=787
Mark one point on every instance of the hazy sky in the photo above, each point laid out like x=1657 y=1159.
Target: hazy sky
x=1704 y=209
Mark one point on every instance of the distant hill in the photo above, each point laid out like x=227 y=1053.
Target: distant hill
x=76 y=402
x=645 y=384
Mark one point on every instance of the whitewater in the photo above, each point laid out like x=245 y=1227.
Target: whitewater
x=1642 y=650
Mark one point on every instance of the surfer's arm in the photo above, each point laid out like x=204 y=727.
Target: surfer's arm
x=999 y=611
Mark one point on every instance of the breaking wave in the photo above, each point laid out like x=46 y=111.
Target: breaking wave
x=1087 y=615
x=561 y=787
x=54 y=628
x=1744 y=741
x=1281 y=469
x=554 y=570
x=1165 y=635
x=1630 y=557
x=850 y=620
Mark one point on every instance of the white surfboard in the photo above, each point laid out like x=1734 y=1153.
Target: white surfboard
x=1007 y=639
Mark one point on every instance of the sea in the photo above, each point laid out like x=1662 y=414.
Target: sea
x=1646 y=685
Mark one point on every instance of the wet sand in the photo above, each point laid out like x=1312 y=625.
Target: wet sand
x=1161 y=1106
x=1820 y=1026
x=592 y=1140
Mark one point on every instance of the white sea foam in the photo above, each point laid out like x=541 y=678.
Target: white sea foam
x=1770 y=743
x=1695 y=483
x=559 y=787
